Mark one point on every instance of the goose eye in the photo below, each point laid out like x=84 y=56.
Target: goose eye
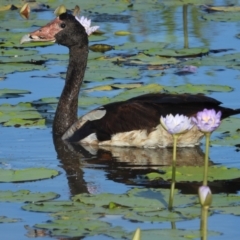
x=62 y=25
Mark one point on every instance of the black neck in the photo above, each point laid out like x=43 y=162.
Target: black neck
x=66 y=113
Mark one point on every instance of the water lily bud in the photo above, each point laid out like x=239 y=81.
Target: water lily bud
x=137 y=234
x=205 y=196
x=207 y=120
x=176 y=124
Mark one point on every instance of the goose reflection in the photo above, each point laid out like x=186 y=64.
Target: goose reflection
x=123 y=165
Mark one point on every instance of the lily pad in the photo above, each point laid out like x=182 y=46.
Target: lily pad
x=114 y=86
x=25 y=175
x=22 y=114
x=169 y=234
x=141 y=46
x=150 y=88
x=73 y=228
x=142 y=58
x=122 y=33
x=222 y=17
x=198 y=88
x=26 y=196
x=104 y=70
x=4 y=219
x=195 y=174
x=231 y=137
x=11 y=67
x=8 y=93
x=185 y=52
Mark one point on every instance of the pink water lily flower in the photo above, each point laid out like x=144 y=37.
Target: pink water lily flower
x=176 y=124
x=207 y=120
x=87 y=25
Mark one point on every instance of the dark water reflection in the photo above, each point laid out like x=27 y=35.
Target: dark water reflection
x=124 y=165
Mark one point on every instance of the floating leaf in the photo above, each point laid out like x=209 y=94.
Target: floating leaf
x=232 y=136
x=169 y=234
x=200 y=88
x=101 y=47
x=23 y=114
x=185 y=52
x=104 y=70
x=114 y=86
x=192 y=174
x=73 y=228
x=8 y=93
x=150 y=88
x=7 y=7
x=122 y=33
x=56 y=206
x=24 y=175
x=142 y=58
x=4 y=219
x=141 y=46
x=26 y=196
x=222 y=17
x=18 y=122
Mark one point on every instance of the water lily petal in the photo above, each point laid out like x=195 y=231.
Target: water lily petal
x=207 y=120
x=176 y=124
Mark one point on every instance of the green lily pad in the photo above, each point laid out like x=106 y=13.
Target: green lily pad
x=169 y=234
x=114 y=86
x=8 y=93
x=26 y=196
x=13 y=54
x=11 y=67
x=139 y=199
x=230 y=133
x=226 y=60
x=185 y=52
x=21 y=115
x=198 y=88
x=222 y=17
x=192 y=174
x=4 y=219
x=24 y=175
x=73 y=228
x=141 y=46
x=103 y=69
x=122 y=33
x=178 y=214
x=18 y=122
x=150 y=88
x=56 y=206
x=142 y=58
x=184 y=2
